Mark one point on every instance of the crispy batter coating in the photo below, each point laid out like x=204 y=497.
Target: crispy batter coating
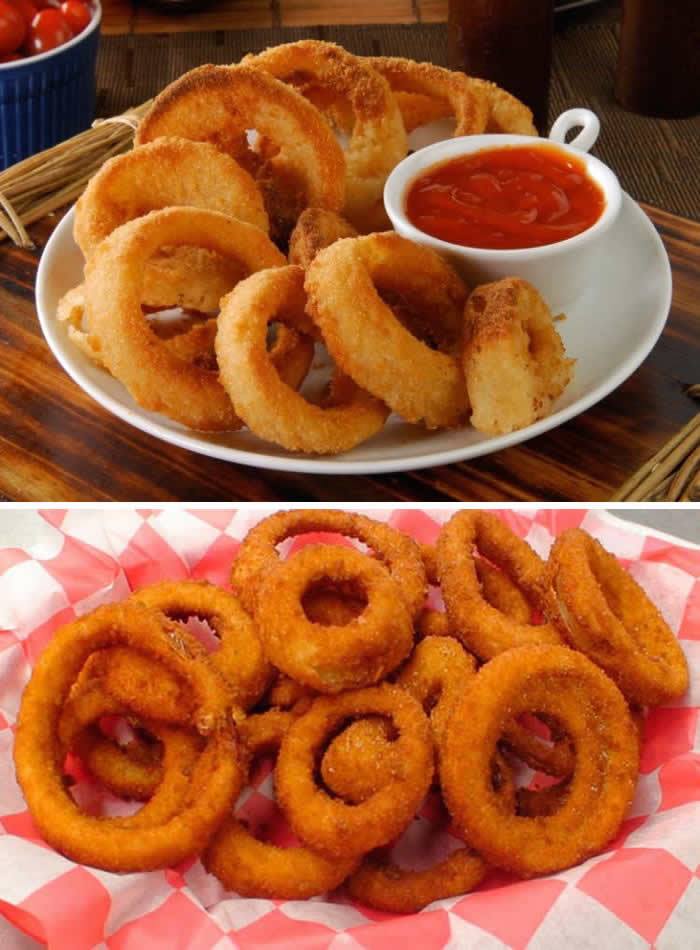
x=561 y=683
x=370 y=344
x=481 y=626
x=240 y=657
x=155 y=377
x=334 y=827
x=331 y=659
x=316 y=229
x=110 y=843
x=303 y=166
x=328 y=74
x=255 y=868
x=514 y=359
x=258 y=555
x=271 y=408
x=602 y=611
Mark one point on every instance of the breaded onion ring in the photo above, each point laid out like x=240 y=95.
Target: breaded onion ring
x=156 y=378
x=240 y=657
x=257 y=555
x=383 y=357
x=253 y=868
x=218 y=104
x=555 y=758
x=316 y=229
x=497 y=588
x=377 y=135
x=605 y=614
x=360 y=760
x=158 y=175
x=467 y=101
x=333 y=605
x=506 y=113
x=478 y=624
x=514 y=359
x=268 y=406
x=381 y=884
x=336 y=828
x=565 y=685
x=363 y=758
x=285 y=693
x=163 y=781
x=109 y=843
x=193 y=343
x=331 y=659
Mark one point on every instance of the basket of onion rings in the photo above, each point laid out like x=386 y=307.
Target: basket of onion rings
x=390 y=715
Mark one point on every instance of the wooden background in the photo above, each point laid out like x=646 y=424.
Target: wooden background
x=124 y=16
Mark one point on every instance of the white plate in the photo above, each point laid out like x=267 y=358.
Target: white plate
x=610 y=331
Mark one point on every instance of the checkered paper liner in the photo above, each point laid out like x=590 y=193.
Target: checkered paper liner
x=644 y=891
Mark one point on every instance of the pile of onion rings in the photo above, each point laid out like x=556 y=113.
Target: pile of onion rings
x=324 y=662
x=239 y=170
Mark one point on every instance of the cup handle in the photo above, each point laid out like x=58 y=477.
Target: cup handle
x=587 y=121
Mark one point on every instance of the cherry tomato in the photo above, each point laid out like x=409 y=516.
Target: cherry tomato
x=27 y=9
x=48 y=30
x=13 y=29
x=77 y=14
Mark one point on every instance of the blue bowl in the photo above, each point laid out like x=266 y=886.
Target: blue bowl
x=47 y=98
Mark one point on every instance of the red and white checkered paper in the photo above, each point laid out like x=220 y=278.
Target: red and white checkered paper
x=642 y=892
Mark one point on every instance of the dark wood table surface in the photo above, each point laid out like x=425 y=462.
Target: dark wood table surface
x=57 y=444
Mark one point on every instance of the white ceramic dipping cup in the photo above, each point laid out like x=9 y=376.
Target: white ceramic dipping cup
x=560 y=271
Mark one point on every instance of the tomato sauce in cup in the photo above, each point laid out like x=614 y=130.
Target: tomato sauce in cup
x=506 y=198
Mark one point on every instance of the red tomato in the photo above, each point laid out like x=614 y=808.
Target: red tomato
x=48 y=30
x=77 y=14
x=12 y=28
x=27 y=9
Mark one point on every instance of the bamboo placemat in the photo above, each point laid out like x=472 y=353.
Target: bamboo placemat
x=658 y=161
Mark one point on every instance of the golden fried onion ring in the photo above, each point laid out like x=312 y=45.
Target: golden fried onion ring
x=316 y=229
x=481 y=627
x=332 y=659
x=382 y=356
x=604 y=613
x=155 y=377
x=514 y=359
x=377 y=135
x=110 y=843
x=563 y=684
x=219 y=104
x=261 y=397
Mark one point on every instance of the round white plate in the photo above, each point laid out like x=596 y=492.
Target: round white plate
x=610 y=331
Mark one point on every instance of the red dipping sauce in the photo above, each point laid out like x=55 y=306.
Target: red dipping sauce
x=505 y=198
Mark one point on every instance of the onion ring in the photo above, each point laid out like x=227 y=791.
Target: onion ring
x=381 y=884
x=162 y=174
x=257 y=555
x=333 y=605
x=514 y=359
x=164 y=782
x=561 y=683
x=603 y=612
x=240 y=657
x=506 y=113
x=481 y=627
x=386 y=359
x=316 y=229
x=219 y=104
x=270 y=407
x=253 y=868
x=377 y=137
x=336 y=828
x=108 y=843
x=191 y=395
x=466 y=100
x=331 y=659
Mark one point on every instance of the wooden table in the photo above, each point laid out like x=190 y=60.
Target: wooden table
x=56 y=444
